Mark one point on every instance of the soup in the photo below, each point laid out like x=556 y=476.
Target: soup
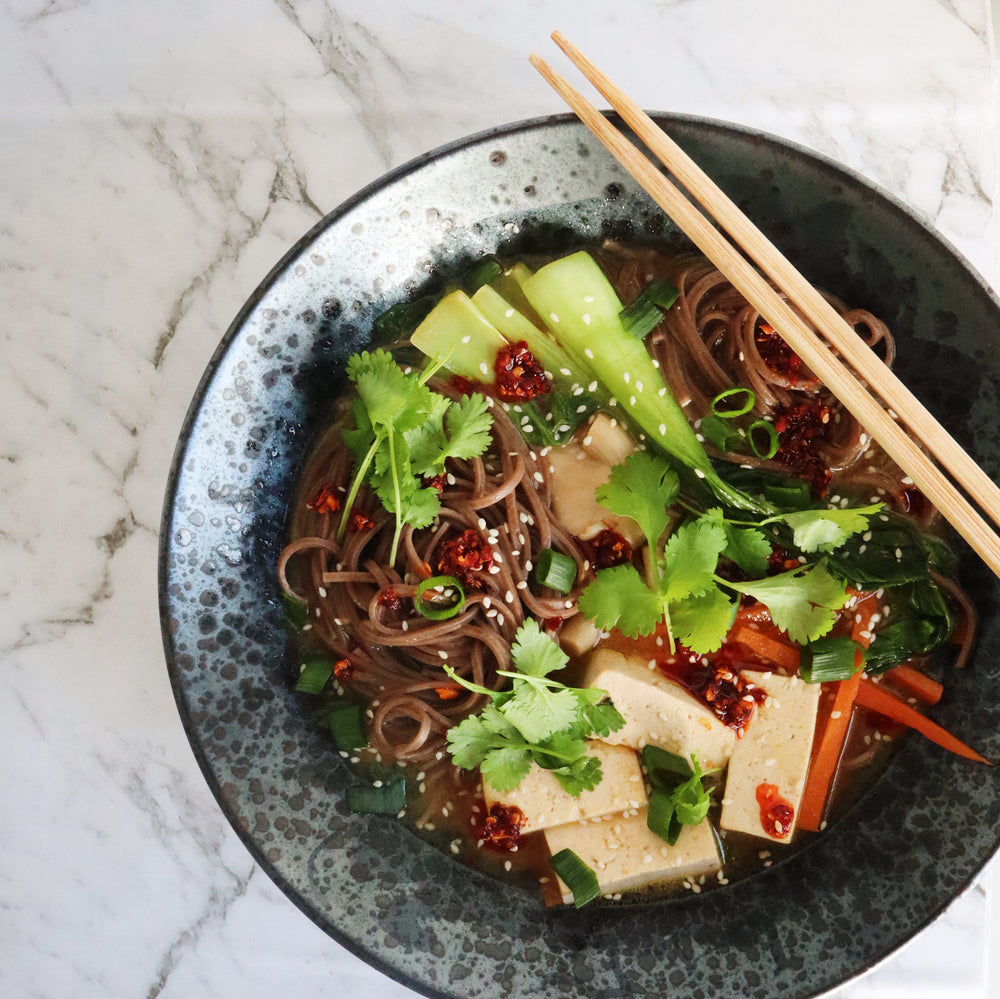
x=612 y=596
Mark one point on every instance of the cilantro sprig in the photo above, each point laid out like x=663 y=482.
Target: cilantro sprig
x=683 y=589
x=538 y=719
x=404 y=432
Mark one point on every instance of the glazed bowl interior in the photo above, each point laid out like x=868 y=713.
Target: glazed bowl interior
x=821 y=915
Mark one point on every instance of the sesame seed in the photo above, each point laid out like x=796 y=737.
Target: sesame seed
x=588 y=353
x=553 y=317
x=586 y=319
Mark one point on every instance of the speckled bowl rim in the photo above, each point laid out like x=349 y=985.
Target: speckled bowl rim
x=856 y=956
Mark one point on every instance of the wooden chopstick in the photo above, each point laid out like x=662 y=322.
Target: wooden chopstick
x=779 y=313
x=775 y=265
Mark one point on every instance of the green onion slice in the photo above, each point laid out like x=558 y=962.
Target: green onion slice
x=388 y=798
x=829 y=659
x=486 y=271
x=721 y=433
x=766 y=428
x=665 y=769
x=555 y=570
x=643 y=315
x=577 y=876
x=402 y=319
x=296 y=611
x=790 y=494
x=661 y=816
x=347 y=726
x=735 y=408
x=313 y=675
x=445 y=603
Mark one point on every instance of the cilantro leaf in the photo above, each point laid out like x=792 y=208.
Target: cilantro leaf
x=459 y=429
x=618 y=598
x=802 y=602
x=641 y=487
x=505 y=768
x=825 y=530
x=702 y=622
x=473 y=738
x=604 y=718
x=535 y=653
x=559 y=749
x=537 y=711
x=583 y=775
x=468 y=421
x=691 y=800
x=392 y=398
x=746 y=546
x=690 y=558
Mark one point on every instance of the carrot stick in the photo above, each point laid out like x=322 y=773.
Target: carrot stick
x=874 y=697
x=768 y=649
x=831 y=744
x=828 y=754
x=917 y=684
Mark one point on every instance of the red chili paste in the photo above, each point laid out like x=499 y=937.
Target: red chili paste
x=776 y=814
x=519 y=376
x=465 y=557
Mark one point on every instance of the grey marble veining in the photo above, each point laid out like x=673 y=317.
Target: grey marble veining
x=156 y=160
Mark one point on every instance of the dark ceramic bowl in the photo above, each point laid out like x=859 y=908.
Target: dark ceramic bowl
x=827 y=912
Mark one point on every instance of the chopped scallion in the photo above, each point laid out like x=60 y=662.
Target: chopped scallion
x=577 y=876
x=721 y=433
x=296 y=612
x=661 y=816
x=347 y=726
x=388 y=798
x=313 y=675
x=665 y=769
x=765 y=428
x=735 y=407
x=439 y=598
x=789 y=494
x=555 y=570
x=829 y=659
x=485 y=271
x=646 y=313
x=402 y=318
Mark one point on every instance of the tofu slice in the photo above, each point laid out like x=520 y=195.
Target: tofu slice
x=658 y=710
x=624 y=853
x=545 y=804
x=775 y=749
x=574 y=477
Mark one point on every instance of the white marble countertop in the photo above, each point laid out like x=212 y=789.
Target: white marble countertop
x=156 y=159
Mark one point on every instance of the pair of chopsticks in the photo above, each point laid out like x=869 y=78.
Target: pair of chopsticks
x=780 y=314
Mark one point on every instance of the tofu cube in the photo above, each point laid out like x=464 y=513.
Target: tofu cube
x=607 y=440
x=775 y=749
x=657 y=710
x=574 y=477
x=578 y=636
x=624 y=853
x=544 y=802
